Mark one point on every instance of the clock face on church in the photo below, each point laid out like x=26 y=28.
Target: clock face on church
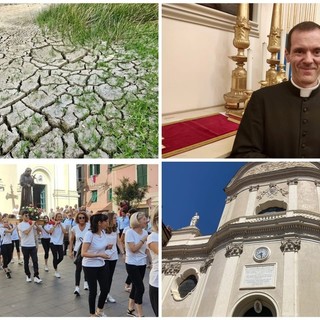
x=261 y=254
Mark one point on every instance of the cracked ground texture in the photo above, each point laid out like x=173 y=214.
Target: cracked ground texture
x=62 y=101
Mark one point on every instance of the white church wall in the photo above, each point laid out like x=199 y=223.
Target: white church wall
x=196 y=70
x=308 y=196
x=8 y=177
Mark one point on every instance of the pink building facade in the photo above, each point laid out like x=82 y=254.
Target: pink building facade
x=96 y=184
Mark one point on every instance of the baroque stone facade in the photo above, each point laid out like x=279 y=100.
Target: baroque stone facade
x=268 y=236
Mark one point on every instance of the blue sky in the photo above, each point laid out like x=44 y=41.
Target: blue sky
x=189 y=187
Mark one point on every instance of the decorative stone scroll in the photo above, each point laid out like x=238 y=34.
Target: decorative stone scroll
x=272 y=192
x=254 y=188
x=207 y=263
x=171 y=269
x=290 y=245
x=234 y=249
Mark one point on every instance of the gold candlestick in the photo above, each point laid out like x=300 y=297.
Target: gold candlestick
x=235 y=99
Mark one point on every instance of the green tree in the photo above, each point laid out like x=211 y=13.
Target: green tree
x=130 y=192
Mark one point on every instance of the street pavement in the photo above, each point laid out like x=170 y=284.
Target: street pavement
x=55 y=298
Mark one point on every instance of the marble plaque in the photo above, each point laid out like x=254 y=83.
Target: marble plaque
x=259 y=276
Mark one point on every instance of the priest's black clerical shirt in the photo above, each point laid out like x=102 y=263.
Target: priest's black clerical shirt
x=279 y=123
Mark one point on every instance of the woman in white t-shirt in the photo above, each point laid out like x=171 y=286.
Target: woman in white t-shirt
x=6 y=245
x=152 y=242
x=93 y=252
x=77 y=234
x=45 y=239
x=136 y=260
x=57 y=232
x=112 y=233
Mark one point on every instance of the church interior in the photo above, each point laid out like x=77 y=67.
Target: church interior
x=213 y=57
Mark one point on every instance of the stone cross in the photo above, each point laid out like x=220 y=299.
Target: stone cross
x=12 y=196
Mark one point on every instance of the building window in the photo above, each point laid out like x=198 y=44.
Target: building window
x=109 y=195
x=187 y=285
x=94 y=196
x=142 y=173
x=94 y=169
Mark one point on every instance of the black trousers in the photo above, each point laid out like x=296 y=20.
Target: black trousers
x=154 y=298
x=57 y=254
x=111 y=265
x=6 y=252
x=16 y=244
x=27 y=253
x=136 y=274
x=96 y=275
x=78 y=271
x=46 y=246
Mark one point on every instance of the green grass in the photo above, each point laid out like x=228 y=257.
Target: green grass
x=135 y=23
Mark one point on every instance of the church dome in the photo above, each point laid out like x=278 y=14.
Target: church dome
x=261 y=172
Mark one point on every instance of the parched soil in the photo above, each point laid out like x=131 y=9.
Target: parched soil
x=58 y=100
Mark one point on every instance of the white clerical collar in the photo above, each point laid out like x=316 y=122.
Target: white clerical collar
x=305 y=92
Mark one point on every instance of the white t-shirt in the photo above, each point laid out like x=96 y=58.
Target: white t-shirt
x=153 y=276
x=5 y=237
x=138 y=258
x=45 y=231
x=97 y=244
x=112 y=239
x=79 y=235
x=15 y=235
x=27 y=240
x=57 y=235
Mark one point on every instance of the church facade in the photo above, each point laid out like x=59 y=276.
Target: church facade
x=54 y=185
x=263 y=258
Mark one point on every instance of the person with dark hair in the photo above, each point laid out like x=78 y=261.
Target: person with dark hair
x=153 y=245
x=28 y=230
x=112 y=233
x=77 y=234
x=136 y=261
x=93 y=252
x=282 y=121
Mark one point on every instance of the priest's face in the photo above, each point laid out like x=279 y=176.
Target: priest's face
x=304 y=57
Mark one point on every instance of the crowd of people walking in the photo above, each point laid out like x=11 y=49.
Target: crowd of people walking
x=94 y=242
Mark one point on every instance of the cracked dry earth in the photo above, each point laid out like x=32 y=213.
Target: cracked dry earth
x=57 y=100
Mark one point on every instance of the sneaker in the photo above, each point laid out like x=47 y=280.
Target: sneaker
x=57 y=274
x=110 y=299
x=20 y=262
x=100 y=313
x=46 y=268
x=8 y=275
x=77 y=291
x=28 y=279
x=37 y=280
x=85 y=286
x=130 y=313
x=12 y=261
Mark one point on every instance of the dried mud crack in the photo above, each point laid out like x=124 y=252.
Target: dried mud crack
x=58 y=100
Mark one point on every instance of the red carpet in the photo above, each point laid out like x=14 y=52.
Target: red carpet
x=186 y=135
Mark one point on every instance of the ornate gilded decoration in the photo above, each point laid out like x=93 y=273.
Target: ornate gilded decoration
x=290 y=245
x=234 y=249
x=238 y=95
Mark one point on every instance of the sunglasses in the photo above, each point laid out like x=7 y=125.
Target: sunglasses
x=80 y=218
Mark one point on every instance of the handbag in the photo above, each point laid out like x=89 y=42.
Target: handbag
x=78 y=257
